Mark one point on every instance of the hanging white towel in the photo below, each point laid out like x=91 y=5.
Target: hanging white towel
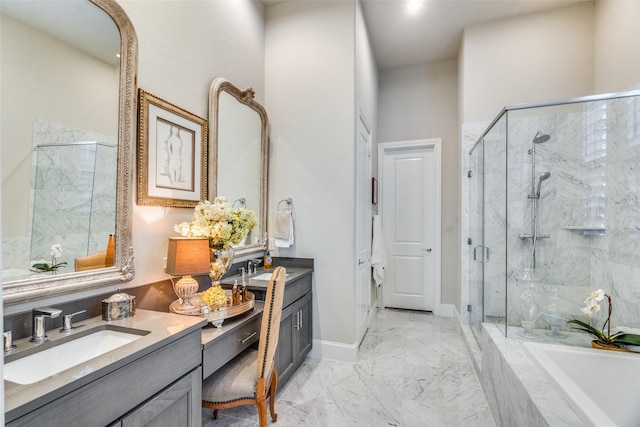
x=283 y=234
x=283 y=225
x=378 y=260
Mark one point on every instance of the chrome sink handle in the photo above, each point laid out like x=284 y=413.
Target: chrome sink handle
x=7 y=337
x=67 y=326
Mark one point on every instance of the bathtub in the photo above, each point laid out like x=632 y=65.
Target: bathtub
x=603 y=387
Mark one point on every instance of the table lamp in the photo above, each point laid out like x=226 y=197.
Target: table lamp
x=187 y=256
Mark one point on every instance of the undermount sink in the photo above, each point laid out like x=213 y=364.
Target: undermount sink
x=56 y=356
x=263 y=276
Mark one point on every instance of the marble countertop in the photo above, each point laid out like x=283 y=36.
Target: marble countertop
x=163 y=328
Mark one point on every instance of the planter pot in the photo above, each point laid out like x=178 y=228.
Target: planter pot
x=603 y=346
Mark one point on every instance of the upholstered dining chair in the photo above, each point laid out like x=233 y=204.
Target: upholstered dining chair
x=252 y=376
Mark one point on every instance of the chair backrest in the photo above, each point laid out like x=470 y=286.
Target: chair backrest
x=270 y=329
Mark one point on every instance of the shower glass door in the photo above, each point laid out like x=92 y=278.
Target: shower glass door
x=494 y=224
x=476 y=245
x=488 y=208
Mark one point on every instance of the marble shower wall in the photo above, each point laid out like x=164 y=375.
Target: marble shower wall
x=589 y=206
x=73 y=196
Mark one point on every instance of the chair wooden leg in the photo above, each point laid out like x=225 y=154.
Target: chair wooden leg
x=262 y=412
x=215 y=414
x=273 y=388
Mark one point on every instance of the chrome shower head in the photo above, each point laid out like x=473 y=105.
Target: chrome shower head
x=540 y=138
x=543 y=177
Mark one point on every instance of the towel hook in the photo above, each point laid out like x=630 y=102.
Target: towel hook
x=241 y=200
x=288 y=201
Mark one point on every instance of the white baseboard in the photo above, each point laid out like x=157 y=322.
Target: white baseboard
x=334 y=350
x=445 y=310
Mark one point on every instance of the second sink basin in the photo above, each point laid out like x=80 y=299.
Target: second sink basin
x=263 y=276
x=56 y=356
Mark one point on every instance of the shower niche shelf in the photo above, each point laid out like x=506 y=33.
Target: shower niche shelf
x=585 y=229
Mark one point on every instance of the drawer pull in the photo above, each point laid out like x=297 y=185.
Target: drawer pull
x=248 y=338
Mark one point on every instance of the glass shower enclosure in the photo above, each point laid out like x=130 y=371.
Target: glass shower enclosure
x=554 y=213
x=74 y=199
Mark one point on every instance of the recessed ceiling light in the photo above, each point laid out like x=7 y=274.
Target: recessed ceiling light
x=414 y=4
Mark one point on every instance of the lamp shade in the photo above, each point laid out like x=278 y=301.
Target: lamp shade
x=187 y=255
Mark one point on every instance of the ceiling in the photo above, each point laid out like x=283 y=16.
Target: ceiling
x=400 y=36
x=431 y=33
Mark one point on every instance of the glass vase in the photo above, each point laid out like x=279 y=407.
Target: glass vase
x=526 y=302
x=220 y=260
x=553 y=316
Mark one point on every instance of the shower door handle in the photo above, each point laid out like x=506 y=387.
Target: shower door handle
x=484 y=254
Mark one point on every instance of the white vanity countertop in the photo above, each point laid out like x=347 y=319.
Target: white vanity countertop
x=163 y=328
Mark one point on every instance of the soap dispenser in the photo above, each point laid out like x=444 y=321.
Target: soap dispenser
x=268 y=261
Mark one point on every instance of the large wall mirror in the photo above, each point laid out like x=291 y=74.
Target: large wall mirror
x=239 y=146
x=68 y=122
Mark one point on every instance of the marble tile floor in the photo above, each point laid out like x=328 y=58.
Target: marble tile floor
x=412 y=370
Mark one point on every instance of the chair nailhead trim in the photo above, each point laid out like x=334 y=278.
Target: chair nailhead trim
x=229 y=401
x=266 y=347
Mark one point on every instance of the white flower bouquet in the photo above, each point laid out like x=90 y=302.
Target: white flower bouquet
x=219 y=223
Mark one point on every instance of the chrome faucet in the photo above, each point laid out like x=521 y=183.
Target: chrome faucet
x=252 y=266
x=38 y=316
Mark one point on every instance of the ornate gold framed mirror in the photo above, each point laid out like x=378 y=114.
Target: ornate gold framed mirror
x=239 y=152
x=106 y=46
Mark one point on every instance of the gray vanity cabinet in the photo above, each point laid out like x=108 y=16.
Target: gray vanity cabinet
x=295 y=327
x=172 y=407
x=162 y=388
x=295 y=338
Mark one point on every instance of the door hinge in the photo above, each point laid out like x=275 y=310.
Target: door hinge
x=469 y=308
x=469 y=173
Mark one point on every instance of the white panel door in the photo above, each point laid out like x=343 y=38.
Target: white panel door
x=363 y=227
x=411 y=224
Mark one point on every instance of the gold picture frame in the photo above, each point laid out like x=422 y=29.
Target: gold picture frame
x=172 y=154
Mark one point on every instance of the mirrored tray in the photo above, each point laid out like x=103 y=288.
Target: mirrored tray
x=215 y=315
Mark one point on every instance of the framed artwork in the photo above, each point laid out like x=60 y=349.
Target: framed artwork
x=172 y=154
x=374 y=191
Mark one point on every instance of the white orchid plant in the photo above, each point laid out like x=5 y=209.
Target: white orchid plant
x=218 y=222
x=56 y=252
x=592 y=306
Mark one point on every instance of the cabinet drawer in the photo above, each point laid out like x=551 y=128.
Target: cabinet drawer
x=227 y=347
x=296 y=290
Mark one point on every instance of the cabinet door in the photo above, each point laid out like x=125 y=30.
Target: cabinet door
x=285 y=353
x=304 y=329
x=177 y=405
